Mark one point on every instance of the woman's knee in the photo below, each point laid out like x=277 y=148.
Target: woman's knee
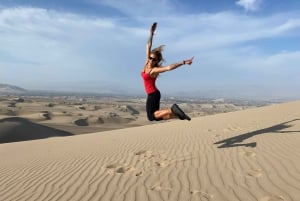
x=151 y=117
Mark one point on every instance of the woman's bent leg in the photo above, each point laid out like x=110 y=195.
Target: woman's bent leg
x=164 y=114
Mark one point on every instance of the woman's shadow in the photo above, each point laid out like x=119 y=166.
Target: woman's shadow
x=238 y=140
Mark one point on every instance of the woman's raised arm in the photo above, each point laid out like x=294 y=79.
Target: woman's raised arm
x=149 y=43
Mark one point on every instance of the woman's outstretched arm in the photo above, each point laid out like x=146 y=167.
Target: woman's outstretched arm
x=149 y=43
x=173 y=66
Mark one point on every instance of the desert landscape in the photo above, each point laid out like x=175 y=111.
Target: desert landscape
x=104 y=148
x=221 y=76
x=73 y=114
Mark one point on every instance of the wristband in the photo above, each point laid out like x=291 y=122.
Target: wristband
x=183 y=62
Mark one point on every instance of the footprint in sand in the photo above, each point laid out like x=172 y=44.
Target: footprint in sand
x=119 y=168
x=140 y=173
x=272 y=198
x=254 y=173
x=146 y=154
x=153 y=161
x=164 y=163
x=202 y=194
x=226 y=130
x=247 y=153
x=158 y=187
x=231 y=128
x=112 y=166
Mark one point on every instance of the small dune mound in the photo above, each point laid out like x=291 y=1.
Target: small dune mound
x=11 y=104
x=80 y=107
x=114 y=118
x=15 y=129
x=95 y=120
x=19 y=100
x=50 y=105
x=100 y=120
x=81 y=122
x=128 y=108
x=97 y=107
x=46 y=115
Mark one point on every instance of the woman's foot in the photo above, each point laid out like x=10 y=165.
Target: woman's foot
x=179 y=113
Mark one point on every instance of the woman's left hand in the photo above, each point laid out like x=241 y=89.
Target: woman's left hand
x=153 y=28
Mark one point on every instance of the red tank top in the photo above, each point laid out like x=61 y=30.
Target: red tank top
x=149 y=83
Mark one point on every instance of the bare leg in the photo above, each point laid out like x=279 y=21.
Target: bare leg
x=165 y=114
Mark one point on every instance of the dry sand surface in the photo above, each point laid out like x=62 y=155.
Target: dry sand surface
x=248 y=155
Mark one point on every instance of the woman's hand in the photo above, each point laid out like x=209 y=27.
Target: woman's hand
x=188 y=61
x=153 y=28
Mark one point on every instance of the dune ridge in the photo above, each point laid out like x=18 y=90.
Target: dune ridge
x=249 y=155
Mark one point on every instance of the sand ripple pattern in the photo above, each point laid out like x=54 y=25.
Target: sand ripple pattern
x=176 y=160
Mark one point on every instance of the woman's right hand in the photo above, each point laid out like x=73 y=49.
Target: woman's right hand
x=153 y=27
x=189 y=61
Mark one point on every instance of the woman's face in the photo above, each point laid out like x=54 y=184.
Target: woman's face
x=153 y=59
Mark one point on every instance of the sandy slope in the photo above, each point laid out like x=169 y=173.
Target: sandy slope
x=246 y=155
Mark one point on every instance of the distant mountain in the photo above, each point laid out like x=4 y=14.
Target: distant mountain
x=10 y=89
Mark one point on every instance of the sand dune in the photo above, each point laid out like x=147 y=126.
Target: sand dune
x=16 y=129
x=81 y=122
x=249 y=155
x=72 y=114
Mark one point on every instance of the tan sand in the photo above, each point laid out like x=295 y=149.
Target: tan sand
x=249 y=155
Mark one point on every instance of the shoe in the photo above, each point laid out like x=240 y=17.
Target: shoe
x=179 y=113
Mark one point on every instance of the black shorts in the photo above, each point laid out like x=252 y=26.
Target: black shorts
x=152 y=105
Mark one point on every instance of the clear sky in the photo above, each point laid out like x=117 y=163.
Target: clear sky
x=242 y=48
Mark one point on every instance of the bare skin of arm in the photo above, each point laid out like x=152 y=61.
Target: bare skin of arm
x=157 y=70
x=149 y=43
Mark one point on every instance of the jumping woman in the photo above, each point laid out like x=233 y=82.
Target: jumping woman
x=153 y=67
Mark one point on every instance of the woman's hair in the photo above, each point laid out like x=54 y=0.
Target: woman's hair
x=158 y=51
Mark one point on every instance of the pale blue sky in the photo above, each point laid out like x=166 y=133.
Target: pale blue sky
x=242 y=48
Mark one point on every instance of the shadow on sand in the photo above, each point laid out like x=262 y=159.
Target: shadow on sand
x=238 y=140
x=15 y=129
